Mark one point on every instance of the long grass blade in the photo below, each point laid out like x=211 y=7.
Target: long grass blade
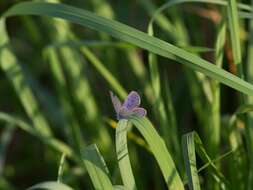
x=249 y=76
x=218 y=176
x=15 y=74
x=190 y=161
x=236 y=47
x=122 y=155
x=50 y=185
x=133 y=36
x=159 y=105
x=80 y=104
x=96 y=168
x=60 y=83
x=52 y=142
x=114 y=83
x=235 y=35
x=5 y=139
x=61 y=168
x=160 y=152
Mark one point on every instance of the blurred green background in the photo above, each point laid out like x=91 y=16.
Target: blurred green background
x=58 y=76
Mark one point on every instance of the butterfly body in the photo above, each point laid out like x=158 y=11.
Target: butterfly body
x=129 y=107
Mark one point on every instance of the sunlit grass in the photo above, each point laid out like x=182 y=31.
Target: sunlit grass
x=55 y=103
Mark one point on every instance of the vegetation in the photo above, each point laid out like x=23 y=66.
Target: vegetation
x=191 y=61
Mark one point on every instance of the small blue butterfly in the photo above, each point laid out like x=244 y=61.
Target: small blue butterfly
x=130 y=106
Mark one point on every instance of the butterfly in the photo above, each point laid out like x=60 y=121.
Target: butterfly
x=130 y=106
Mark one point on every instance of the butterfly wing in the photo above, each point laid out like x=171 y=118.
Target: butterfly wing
x=116 y=102
x=132 y=101
x=141 y=112
x=124 y=113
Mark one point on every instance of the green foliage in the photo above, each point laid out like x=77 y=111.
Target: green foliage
x=57 y=70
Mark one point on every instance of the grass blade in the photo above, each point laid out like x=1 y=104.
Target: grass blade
x=131 y=35
x=236 y=47
x=5 y=139
x=96 y=168
x=244 y=109
x=190 y=161
x=160 y=152
x=116 y=86
x=122 y=155
x=78 y=99
x=214 y=128
x=61 y=168
x=52 y=142
x=16 y=76
x=159 y=106
x=50 y=185
x=235 y=35
x=218 y=176
x=119 y=187
x=60 y=84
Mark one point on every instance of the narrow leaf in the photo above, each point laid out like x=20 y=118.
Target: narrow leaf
x=131 y=35
x=190 y=161
x=122 y=155
x=50 y=185
x=160 y=152
x=96 y=168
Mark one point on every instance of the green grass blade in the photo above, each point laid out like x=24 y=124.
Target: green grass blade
x=61 y=168
x=50 y=185
x=133 y=36
x=104 y=8
x=218 y=176
x=213 y=130
x=96 y=168
x=5 y=139
x=190 y=161
x=100 y=44
x=236 y=47
x=79 y=100
x=60 y=84
x=119 y=187
x=116 y=86
x=172 y=120
x=162 y=21
x=216 y=160
x=235 y=35
x=165 y=24
x=245 y=108
x=159 y=105
x=9 y=64
x=249 y=75
x=52 y=142
x=235 y=39
x=180 y=2
x=122 y=155
x=160 y=152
